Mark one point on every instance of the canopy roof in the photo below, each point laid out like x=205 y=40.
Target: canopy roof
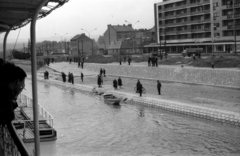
x=17 y=13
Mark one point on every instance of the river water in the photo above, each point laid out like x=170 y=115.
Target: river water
x=87 y=126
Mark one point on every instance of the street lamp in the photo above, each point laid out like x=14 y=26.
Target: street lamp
x=133 y=32
x=89 y=32
x=61 y=36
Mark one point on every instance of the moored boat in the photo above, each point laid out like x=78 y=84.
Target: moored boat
x=111 y=99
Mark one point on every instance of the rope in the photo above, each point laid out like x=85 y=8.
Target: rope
x=17 y=38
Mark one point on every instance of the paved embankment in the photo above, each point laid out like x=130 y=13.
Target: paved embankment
x=173 y=106
x=206 y=76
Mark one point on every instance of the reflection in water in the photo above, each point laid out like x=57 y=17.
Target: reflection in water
x=87 y=126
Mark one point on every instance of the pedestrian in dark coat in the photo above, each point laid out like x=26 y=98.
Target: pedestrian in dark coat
x=129 y=61
x=101 y=71
x=159 y=85
x=137 y=86
x=82 y=76
x=72 y=78
x=149 y=61
x=156 y=61
x=99 y=81
x=64 y=77
x=104 y=72
x=69 y=77
x=82 y=64
x=140 y=89
x=120 y=82
x=70 y=61
x=115 y=84
x=120 y=61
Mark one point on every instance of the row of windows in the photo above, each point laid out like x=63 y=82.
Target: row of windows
x=182 y=3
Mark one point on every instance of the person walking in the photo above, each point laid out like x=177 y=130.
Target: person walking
x=115 y=84
x=129 y=60
x=159 y=85
x=82 y=76
x=120 y=61
x=149 y=61
x=104 y=72
x=99 y=81
x=120 y=82
x=101 y=71
x=72 y=78
x=69 y=77
x=140 y=89
x=64 y=77
x=137 y=86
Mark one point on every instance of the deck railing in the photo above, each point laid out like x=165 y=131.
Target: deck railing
x=27 y=102
x=10 y=143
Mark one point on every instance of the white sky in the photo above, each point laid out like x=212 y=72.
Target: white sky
x=88 y=15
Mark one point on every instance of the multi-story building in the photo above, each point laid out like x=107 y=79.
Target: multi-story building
x=207 y=24
x=82 y=45
x=123 y=39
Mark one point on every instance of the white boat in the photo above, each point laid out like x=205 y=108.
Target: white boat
x=111 y=99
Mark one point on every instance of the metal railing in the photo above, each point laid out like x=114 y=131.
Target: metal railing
x=27 y=102
x=10 y=142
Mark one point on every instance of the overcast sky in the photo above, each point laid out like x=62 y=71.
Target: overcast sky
x=89 y=14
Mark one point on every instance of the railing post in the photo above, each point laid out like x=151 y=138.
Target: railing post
x=34 y=77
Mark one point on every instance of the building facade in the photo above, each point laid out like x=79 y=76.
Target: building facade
x=213 y=25
x=82 y=45
x=124 y=40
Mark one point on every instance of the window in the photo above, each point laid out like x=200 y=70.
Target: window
x=216 y=34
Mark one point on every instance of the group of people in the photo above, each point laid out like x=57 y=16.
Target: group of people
x=102 y=72
x=12 y=82
x=117 y=83
x=46 y=75
x=139 y=87
x=153 y=61
x=70 y=78
x=129 y=60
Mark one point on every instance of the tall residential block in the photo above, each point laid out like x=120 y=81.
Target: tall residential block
x=207 y=24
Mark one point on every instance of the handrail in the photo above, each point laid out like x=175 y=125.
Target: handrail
x=42 y=111
x=10 y=141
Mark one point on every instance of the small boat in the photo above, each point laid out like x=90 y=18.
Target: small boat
x=111 y=99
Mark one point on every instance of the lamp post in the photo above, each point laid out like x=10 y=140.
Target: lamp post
x=89 y=32
x=89 y=36
x=132 y=33
x=61 y=36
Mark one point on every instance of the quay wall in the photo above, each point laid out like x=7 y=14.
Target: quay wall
x=214 y=77
x=217 y=115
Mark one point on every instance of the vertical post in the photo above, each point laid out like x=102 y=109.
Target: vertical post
x=133 y=42
x=5 y=43
x=82 y=47
x=234 y=25
x=160 y=39
x=34 y=77
x=78 y=47
x=212 y=23
x=165 y=40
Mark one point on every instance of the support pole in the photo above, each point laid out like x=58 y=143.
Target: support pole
x=212 y=24
x=5 y=43
x=34 y=77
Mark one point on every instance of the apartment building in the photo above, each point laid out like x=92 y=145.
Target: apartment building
x=206 y=24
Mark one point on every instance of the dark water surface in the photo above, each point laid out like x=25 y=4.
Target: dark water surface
x=87 y=126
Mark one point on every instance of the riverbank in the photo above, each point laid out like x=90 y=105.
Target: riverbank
x=202 y=96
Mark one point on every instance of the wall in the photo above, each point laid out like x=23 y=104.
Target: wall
x=207 y=76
